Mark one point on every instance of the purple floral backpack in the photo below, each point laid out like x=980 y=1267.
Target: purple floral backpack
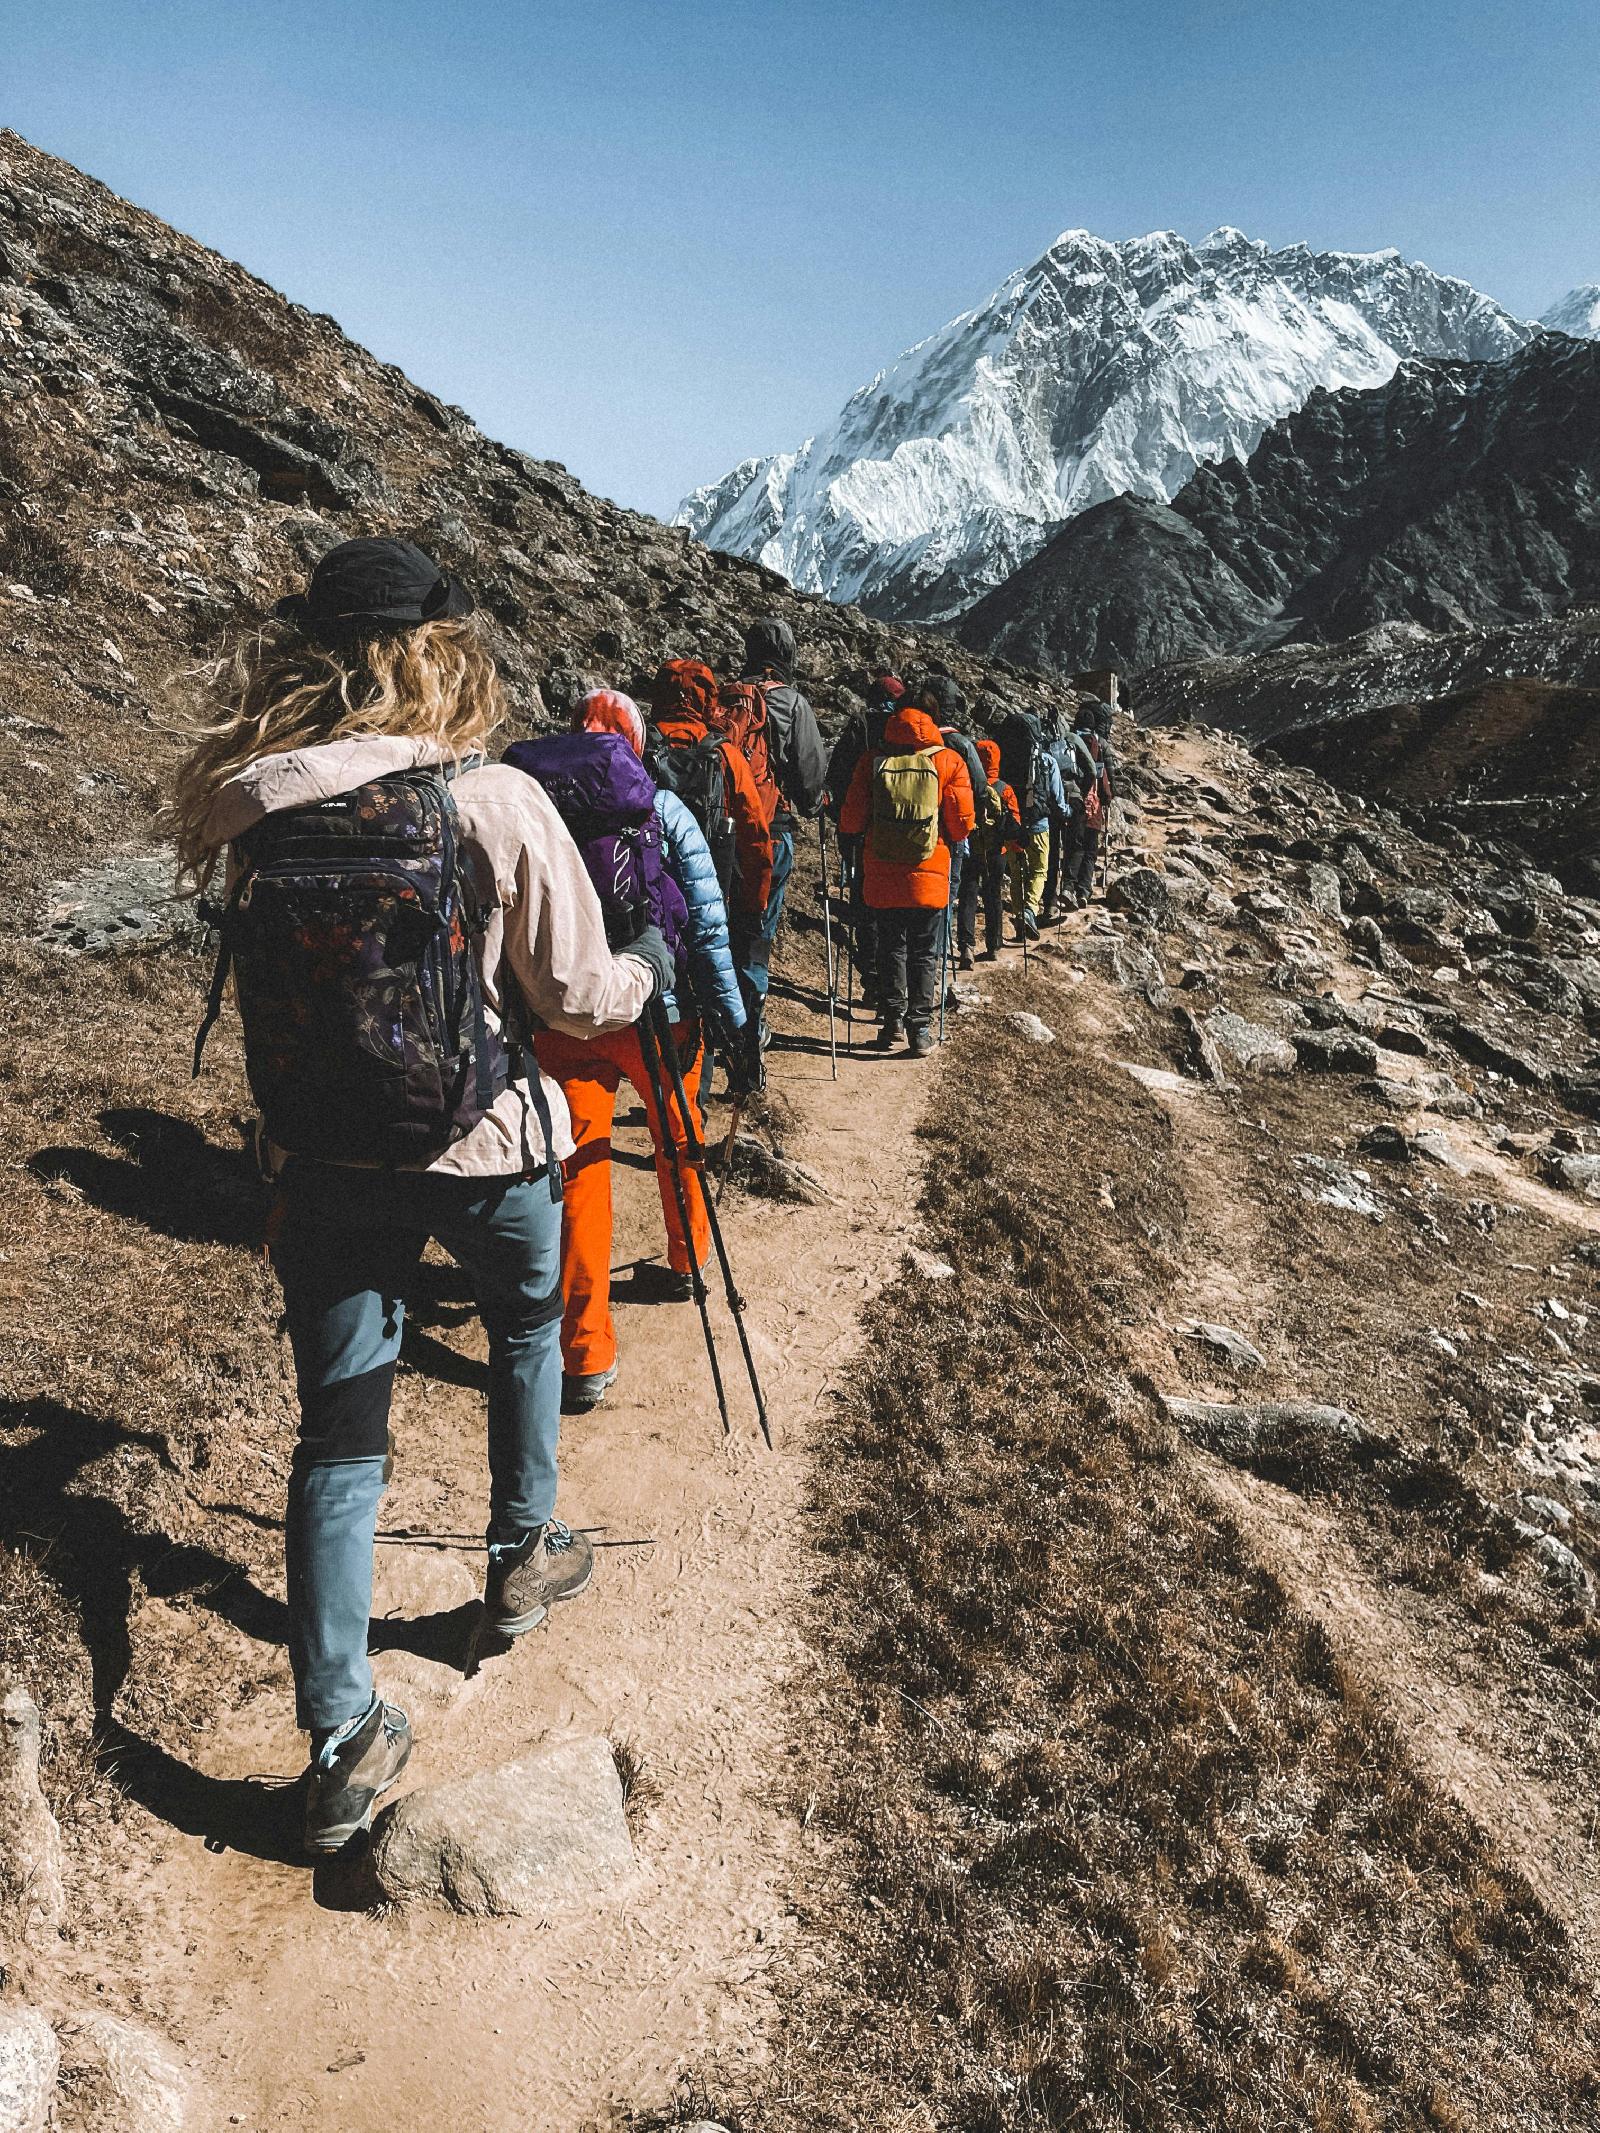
x=607 y=799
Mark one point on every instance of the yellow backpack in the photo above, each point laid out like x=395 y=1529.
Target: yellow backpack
x=904 y=826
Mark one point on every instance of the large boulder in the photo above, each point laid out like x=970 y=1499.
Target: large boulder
x=1248 y=1045
x=1143 y=893
x=118 y=2074
x=525 y=1838
x=1335 y=1051
x=30 y=2059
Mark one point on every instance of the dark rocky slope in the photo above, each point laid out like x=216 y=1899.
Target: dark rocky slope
x=177 y=441
x=1459 y=494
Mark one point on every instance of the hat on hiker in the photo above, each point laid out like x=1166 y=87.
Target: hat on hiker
x=943 y=697
x=769 y=643
x=609 y=711
x=989 y=757
x=374 y=581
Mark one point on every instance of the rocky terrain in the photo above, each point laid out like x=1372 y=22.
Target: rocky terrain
x=1151 y=1681
x=178 y=443
x=1453 y=496
x=1100 y=370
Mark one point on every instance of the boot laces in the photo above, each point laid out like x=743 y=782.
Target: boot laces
x=557 y=1537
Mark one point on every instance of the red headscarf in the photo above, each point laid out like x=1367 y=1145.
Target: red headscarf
x=609 y=711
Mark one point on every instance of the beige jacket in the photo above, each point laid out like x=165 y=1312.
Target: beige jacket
x=545 y=932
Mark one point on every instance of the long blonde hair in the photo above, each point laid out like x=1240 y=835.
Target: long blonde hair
x=278 y=689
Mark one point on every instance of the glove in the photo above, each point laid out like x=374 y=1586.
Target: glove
x=650 y=948
x=740 y=1051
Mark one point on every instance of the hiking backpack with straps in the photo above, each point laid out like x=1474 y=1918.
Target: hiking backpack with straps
x=741 y=717
x=697 y=772
x=352 y=931
x=903 y=823
x=607 y=799
x=1019 y=761
x=1097 y=794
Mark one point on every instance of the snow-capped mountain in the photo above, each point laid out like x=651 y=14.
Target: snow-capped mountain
x=1101 y=370
x=1578 y=313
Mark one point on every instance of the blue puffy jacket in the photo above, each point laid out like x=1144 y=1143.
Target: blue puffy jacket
x=688 y=860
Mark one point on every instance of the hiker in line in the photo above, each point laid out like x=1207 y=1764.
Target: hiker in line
x=793 y=746
x=861 y=736
x=911 y=801
x=1036 y=781
x=1092 y=736
x=686 y=751
x=997 y=833
x=396 y=909
x=590 y=1070
x=946 y=704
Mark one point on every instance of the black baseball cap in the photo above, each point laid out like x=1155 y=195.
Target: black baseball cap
x=373 y=580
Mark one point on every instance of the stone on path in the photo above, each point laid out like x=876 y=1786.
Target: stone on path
x=31 y=1895
x=1230 y=1347
x=1276 y=1429
x=1335 y=1051
x=120 y=2075
x=1031 y=1027
x=525 y=1838
x=29 y=2061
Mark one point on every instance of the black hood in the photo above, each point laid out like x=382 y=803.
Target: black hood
x=770 y=643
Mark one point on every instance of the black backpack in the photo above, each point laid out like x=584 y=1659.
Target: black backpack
x=352 y=931
x=1019 y=760
x=698 y=774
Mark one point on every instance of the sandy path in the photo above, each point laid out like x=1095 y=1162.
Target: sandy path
x=302 y=2014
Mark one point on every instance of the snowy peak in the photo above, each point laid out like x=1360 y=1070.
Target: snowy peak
x=1101 y=369
x=1578 y=313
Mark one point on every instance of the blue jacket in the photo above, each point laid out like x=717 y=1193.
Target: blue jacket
x=688 y=861
x=1049 y=795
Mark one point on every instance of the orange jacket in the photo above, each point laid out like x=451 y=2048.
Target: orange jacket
x=1004 y=832
x=925 y=887
x=751 y=837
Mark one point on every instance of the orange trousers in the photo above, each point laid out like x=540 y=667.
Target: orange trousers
x=590 y=1073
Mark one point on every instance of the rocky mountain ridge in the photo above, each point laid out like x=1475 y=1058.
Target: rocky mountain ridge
x=1454 y=495
x=178 y=442
x=1099 y=370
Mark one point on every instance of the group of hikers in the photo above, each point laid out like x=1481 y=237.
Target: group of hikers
x=445 y=966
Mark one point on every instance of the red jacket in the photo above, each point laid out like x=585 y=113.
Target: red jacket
x=752 y=838
x=925 y=887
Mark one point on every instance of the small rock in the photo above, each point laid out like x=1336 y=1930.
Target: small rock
x=1564 y=1569
x=1230 y=1347
x=1333 y=1051
x=1387 y=1140
x=1277 y=1430
x=930 y=1268
x=771 y=1175
x=1322 y=891
x=524 y=1838
x=31 y=1892
x=1578 y=1173
x=1434 y=1147
x=30 y=2059
x=1031 y=1027
x=122 y=2076
x=1334 y=1185
x=1398 y=1095
x=1249 y=1045
x=1143 y=894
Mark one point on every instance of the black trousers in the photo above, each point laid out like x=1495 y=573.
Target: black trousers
x=1081 y=855
x=1052 y=871
x=968 y=899
x=909 y=945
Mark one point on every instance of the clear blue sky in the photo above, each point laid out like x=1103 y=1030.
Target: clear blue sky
x=649 y=237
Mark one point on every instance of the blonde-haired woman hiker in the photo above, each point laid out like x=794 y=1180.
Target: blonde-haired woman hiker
x=396 y=914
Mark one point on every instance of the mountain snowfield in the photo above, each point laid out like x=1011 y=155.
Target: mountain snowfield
x=1578 y=313
x=1101 y=370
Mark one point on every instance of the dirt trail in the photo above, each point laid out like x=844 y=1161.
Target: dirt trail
x=299 y=2014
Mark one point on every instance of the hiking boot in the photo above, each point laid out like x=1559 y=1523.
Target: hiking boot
x=964 y=959
x=580 y=1395
x=1030 y=926
x=348 y=1778
x=550 y=1564
x=888 y=1037
x=989 y=955
x=919 y=1041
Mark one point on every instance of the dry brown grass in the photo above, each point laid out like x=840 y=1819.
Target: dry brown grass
x=1105 y=1835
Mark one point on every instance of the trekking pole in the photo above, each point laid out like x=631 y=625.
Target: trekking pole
x=827 y=936
x=944 y=968
x=695 y=1151
x=727 y=1147
x=853 y=950
x=652 y=1063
